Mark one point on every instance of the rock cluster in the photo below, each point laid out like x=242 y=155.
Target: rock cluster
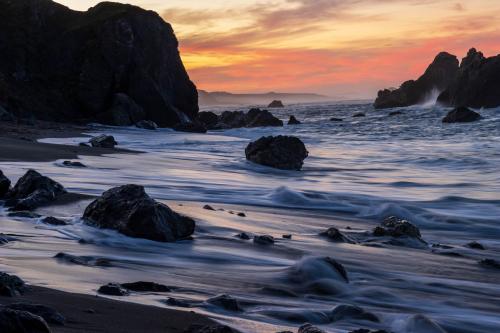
x=281 y=152
x=238 y=119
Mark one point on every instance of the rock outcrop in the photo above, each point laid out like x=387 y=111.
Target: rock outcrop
x=461 y=115
x=237 y=119
x=276 y=104
x=130 y=211
x=293 y=121
x=281 y=152
x=4 y=185
x=437 y=77
x=21 y=321
x=114 y=63
x=477 y=83
x=103 y=141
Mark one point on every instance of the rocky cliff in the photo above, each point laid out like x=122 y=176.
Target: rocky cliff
x=114 y=63
x=437 y=77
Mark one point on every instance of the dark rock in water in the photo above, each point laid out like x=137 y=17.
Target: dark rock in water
x=335 y=235
x=311 y=269
x=53 y=221
x=241 y=214
x=209 y=119
x=281 y=152
x=74 y=164
x=396 y=227
x=208 y=207
x=350 y=312
x=10 y=285
x=143 y=286
x=437 y=77
x=243 y=236
x=395 y=113
x=226 y=302
x=33 y=190
x=234 y=119
x=336 y=119
x=209 y=329
x=49 y=314
x=190 y=128
x=81 y=61
x=14 y=321
x=146 y=124
x=276 y=104
x=308 y=328
x=113 y=289
x=288 y=236
x=82 y=260
x=130 y=211
x=420 y=323
x=461 y=115
x=358 y=115
x=4 y=185
x=490 y=263
x=177 y=302
x=263 y=240
x=475 y=245
x=261 y=118
x=24 y=214
x=293 y=121
x=338 y=267
x=476 y=83
x=103 y=141
x=4 y=239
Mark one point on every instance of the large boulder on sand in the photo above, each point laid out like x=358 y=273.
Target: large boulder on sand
x=21 y=321
x=281 y=152
x=33 y=190
x=461 y=115
x=4 y=184
x=130 y=211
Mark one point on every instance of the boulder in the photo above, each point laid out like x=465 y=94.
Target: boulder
x=50 y=315
x=53 y=221
x=281 y=152
x=82 y=260
x=476 y=245
x=490 y=263
x=115 y=62
x=293 y=121
x=10 y=285
x=103 y=141
x=461 y=115
x=335 y=235
x=276 y=104
x=209 y=119
x=146 y=124
x=261 y=118
x=192 y=127
x=113 y=289
x=130 y=211
x=226 y=302
x=437 y=77
x=4 y=185
x=14 y=321
x=263 y=240
x=396 y=227
x=33 y=190
x=235 y=119
x=243 y=235
x=144 y=286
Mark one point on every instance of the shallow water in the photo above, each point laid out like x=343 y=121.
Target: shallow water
x=443 y=178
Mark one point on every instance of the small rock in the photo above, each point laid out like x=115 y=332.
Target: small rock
x=335 y=235
x=142 y=286
x=490 y=263
x=358 y=115
x=263 y=240
x=103 y=141
x=208 y=207
x=461 y=115
x=241 y=214
x=91 y=311
x=276 y=104
x=475 y=245
x=113 y=289
x=13 y=321
x=243 y=235
x=293 y=121
x=82 y=260
x=146 y=124
x=281 y=152
x=10 y=285
x=336 y=119
x=74 y=164
x=308 y=328
x=49 y=314
x=288 y=236
x=53 y=221
x=396 y=227
x=225 y=301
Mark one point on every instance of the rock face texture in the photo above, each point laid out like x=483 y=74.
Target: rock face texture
x=437 y=77
x=115 y=63
x=461 y=115
x=281 y=152
x=477 y=83
x=130 y=211
x=236 y=119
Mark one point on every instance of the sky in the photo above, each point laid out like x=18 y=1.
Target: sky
x=340 y=48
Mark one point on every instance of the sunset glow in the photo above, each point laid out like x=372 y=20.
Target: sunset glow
x=344 y=49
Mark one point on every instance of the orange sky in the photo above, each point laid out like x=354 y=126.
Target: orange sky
x=341 y=48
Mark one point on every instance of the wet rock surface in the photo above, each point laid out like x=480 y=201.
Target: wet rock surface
x=333 y=234
x=461 y=115
x=53 y=221
x=113 y=289
x=280 y=152
x=264 y=240
x=4 y=184
x=50 y=315
x=237 y=119
x=226 y=302
x=130 y=211
x=293 y=121
x=11 y=285
x=103 y=141
x=14 y=321
x=145 y=286
x=396 y=227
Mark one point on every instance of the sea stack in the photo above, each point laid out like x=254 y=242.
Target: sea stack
x=276 y=104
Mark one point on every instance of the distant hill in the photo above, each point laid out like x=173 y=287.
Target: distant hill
x=224 y=98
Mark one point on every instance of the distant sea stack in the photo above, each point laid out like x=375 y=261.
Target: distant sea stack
x=475 y=83
x=115 y=63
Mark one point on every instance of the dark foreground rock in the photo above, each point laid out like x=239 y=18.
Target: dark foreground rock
x=10 y=285
x=226 y=302
x=50 y=315
x=130 y=211
x=490 y=263
x=103 y=141
x=264 y=240
x=210 y=329
x=74 y=164
x=276 y=104
x=114 y=63
x=237 y=119
x=437 y=77
x=333 y=234
x=113 y=289
x=476 y=245
x=281 y=152
x=293 y=121
x=33 y=190
x=461 y=115
x=53 y=221
x=396 y=227
x=144 y=286
x=4 y=185
x=14 y=321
